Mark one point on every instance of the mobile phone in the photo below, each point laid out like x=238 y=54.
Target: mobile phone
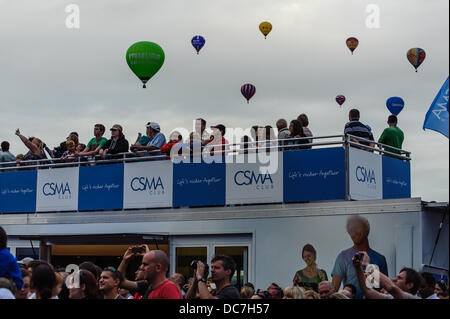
x=136 y=250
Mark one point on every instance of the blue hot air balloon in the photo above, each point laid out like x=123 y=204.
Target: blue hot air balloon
x=395 y=105
x=198 y=42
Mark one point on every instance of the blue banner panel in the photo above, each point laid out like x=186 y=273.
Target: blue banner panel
x=312 y=175
x=396 y=178
x=100 y=187
x=18 y=192
x=198 y=184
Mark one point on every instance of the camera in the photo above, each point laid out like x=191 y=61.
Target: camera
x=136 y=250
x=194 y=266
x=264 y=294
x=359 y=256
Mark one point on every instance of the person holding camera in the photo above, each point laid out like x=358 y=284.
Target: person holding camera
x=404 y=286
x=139 y=286
x=222 y=270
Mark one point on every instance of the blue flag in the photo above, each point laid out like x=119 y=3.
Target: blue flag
x=437 y=116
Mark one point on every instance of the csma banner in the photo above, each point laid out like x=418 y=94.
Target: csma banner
x=365 y=175
x=252 y=183
x=148 y=184
x=57 y=189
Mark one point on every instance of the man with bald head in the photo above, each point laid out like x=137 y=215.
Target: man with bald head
x=155 y=265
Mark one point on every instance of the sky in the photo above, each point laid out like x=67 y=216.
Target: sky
x=55 y=79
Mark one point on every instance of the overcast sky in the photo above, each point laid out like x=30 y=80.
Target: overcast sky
x=55 y=80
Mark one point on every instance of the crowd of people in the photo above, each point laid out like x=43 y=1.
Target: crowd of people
x=294 y=136
x=359 y=272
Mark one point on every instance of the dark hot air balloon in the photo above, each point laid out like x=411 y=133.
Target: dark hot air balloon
x=352 y=43
x=198 y=42
x=340 y=99
x=248 y=90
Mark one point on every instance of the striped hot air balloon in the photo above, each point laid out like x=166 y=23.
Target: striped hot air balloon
x=248 y=90
x=416 y=56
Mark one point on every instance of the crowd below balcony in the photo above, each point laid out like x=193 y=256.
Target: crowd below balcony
x=296 y=136
x=358 y=272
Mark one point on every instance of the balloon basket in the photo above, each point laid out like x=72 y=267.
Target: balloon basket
x=144 y=87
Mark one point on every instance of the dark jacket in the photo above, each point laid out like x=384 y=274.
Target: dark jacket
x=115 y=147
x=60 y=150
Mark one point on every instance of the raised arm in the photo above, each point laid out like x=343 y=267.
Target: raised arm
x=385 y=282
x=128 y=284
x=33 y=148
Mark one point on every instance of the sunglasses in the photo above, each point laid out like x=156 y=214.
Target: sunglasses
x=113 y=129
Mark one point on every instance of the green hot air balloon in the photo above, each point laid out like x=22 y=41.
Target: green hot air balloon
x=145 y=59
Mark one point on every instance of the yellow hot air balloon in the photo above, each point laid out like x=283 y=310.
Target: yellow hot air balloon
x=265 y=28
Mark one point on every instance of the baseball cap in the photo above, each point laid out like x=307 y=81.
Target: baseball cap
x=25 y=261
x=116 y=126
x=154 y=126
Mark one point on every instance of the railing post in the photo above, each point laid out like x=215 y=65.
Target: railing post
x=347 y=168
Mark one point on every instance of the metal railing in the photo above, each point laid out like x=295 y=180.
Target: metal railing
x=231 y=149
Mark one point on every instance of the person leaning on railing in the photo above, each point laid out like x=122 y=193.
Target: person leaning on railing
x=283 y=132
x=392 y=136
x=356 y=128
x=5 y=155
x=117 y=144
x=296 y=132
x=96 y=143
x=175 y=139
x=58 y=151
x=303 y=119
x=156 y=139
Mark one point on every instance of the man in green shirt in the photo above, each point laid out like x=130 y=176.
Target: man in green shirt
x=392 y=136
x=96 y=143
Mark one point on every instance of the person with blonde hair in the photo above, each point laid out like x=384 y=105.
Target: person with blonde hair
x=58 y=151
x=311 y=294
x=247 y=292
x=294 y=292
x=358 y=228
x=71 y=151
x=338 y=295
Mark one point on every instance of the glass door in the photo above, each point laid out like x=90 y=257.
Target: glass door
x=240 y=257
x=184 y=257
